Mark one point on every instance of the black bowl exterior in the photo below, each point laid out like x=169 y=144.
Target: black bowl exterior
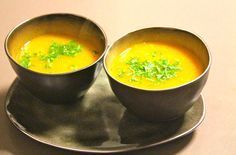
x=159 y=105
x=62 y=87
x=59 y=88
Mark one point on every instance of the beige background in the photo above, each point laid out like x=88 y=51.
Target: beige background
x=213 y=20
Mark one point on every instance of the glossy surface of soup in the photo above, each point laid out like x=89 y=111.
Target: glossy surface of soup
x=155 y=66
x=52 y=53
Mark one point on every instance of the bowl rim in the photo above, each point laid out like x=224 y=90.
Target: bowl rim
x=15 y=28
x=206 y=70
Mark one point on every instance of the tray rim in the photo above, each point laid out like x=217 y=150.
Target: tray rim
x=95 y=150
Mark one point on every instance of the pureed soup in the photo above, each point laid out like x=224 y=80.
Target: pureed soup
x=156 y=65
x=53 y=53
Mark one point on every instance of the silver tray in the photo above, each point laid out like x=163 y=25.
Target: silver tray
x=95 y=123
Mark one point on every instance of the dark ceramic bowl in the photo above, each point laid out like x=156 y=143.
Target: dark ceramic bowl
x=63 y=87
x=159 y=105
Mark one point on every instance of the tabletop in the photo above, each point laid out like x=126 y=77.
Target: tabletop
x=213 y=20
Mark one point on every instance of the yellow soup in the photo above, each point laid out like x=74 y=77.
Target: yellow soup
x=155 y=66
x=51 y=53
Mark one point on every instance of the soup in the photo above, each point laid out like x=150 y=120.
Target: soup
x=52 y=53
x=155 y=66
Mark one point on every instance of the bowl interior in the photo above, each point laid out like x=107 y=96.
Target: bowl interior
x=62 y=24
x=170 y=36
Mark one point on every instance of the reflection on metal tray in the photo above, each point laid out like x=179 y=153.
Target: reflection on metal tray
x=95 y=123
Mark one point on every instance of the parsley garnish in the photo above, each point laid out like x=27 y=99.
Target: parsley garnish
x=72 y=48
x=25 y=60
x=160 y=70
x=55 y=49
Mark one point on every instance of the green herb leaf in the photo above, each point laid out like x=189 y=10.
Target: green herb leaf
x=55 y=50
x=70 y=49
x=159 y=70
x=25 y=60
